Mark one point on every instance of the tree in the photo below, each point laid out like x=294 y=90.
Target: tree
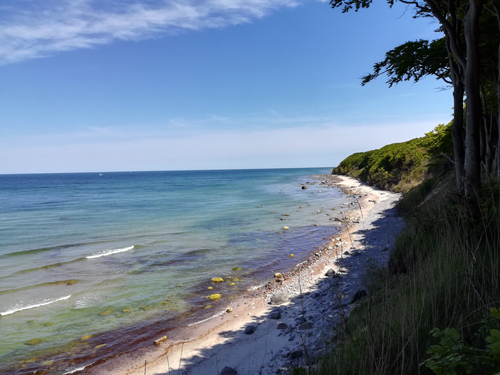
x=460 y=22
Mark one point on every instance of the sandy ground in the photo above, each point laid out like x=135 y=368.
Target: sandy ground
x=290 y=333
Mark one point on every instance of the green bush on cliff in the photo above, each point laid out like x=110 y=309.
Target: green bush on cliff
x=400 y=166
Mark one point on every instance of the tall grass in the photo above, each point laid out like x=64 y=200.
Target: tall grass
x=443 y=272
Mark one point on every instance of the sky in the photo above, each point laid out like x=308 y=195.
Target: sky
x=129 y=85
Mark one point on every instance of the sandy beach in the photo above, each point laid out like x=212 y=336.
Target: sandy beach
x=287 y=321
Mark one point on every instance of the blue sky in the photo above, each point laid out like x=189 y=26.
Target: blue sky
x=107 y=85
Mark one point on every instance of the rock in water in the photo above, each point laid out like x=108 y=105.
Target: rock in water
x=279 y=298
x=217 y=279
x=228 y=371
x=215 y=296
x=304 y=187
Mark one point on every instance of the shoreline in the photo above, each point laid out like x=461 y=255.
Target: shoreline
x=210 y=345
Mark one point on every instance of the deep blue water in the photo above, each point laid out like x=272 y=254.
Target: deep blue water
x=88 y=254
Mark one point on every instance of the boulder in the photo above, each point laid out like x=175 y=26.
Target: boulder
x=305 y=326
x=250 y=329
x=279 y=298
x=330 y=272
x=228 y=371
x=296 y=353
x=282 y=326
x=275 y=315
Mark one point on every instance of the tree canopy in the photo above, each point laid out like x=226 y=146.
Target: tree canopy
x=468 y=58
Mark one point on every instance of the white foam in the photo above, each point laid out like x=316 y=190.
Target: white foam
x=44 y=303
x=204 y=320
x=109 y=252
x=75 y=370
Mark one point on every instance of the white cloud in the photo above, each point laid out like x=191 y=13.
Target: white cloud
x=34 y=29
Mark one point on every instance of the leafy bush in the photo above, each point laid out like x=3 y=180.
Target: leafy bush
x=452 y=356
x=400 y=166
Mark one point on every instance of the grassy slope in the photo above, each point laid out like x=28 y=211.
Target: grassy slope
x=399 y=166
x=443 y=272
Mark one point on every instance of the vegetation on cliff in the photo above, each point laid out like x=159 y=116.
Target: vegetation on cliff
x=434 y=308
x=401 y=166
x=466 y=56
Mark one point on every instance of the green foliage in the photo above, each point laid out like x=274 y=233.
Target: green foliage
x=443 y=272
x=299 y=371
x=452 y=356
x=399 y=166
x=413 y=61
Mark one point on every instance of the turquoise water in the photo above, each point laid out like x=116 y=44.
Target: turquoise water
x=118 y=254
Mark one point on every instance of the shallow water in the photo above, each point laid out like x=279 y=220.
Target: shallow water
x=111 y=255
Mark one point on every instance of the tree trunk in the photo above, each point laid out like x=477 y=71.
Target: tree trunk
x=472 y=166
x=457 y=134
x=496 y=9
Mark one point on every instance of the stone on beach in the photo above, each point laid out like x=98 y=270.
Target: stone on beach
x=228 y=371
x=304 y=326
x=157 y=342
x=330 y=272
x=279 y=298
x=276 y=314
x=296 y=353
x=215 y=296
x=250 y=329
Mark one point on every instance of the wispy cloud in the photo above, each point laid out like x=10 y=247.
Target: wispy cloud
x=33 y=28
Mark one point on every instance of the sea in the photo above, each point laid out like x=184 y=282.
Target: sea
x=94 y=264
